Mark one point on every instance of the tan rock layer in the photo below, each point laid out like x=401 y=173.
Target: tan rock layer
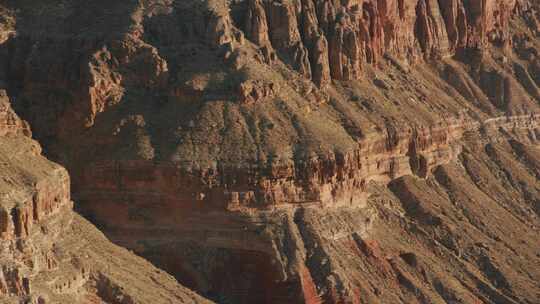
x=10 y=124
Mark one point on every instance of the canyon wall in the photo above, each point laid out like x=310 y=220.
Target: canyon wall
x=327 y=40
x=260 y=150
x=48 y=254
x=238 y=226
x=129 y=52
x=335 y=180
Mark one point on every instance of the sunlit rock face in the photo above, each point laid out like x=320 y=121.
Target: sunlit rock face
x=333 y=40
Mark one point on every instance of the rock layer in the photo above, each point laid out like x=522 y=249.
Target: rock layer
x=174 y=216
x=260 y=150
x=326 y=40
x=48 y=253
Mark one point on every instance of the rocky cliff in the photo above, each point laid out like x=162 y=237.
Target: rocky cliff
x=327 y=40
x=49 y=254
x=309 y=151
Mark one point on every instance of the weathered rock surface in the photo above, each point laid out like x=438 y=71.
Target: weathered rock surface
x=339 y=38
x=178 y=222
x=49 y=254
x=296 y=151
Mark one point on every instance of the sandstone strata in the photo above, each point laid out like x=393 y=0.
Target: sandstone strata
x=260 y=150
x=326 y=40
x=335 y=180
x=50 y=254
x=216 y=216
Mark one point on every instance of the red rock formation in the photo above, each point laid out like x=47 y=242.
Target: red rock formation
x=48 y=254
x=338 y=179
x=360 y=32
x=223 y=163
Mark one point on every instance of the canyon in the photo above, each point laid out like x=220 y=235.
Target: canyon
x=273 y=151
x=48 y=253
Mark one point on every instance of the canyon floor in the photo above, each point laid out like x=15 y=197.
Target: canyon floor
x=270 y=151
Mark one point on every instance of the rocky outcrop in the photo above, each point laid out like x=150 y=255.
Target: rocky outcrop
x=253 y=91
x=49 y=254
x=323 y=38
x=10 y=124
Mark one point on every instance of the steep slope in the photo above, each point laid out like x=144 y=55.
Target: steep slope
x=467 y=234
x=245 y=146
x=49 y=254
